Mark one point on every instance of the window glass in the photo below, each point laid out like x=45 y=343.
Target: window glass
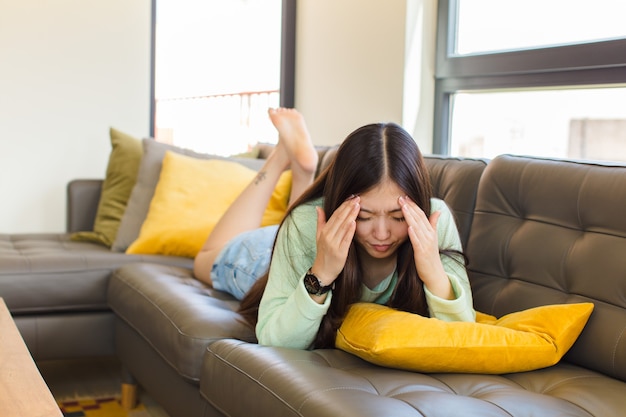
x=217 y=70
x=499 y=25
x=574 y=123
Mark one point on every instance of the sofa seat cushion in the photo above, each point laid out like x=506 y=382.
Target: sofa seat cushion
x=49 y=273
x=289 y=382
x=175 y=313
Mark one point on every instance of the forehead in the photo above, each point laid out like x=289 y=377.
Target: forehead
x=381 y=198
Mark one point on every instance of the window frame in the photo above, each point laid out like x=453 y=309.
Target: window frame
x=287 y=58
x=601 y=63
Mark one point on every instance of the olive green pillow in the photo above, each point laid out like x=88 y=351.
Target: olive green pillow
x=121 y=175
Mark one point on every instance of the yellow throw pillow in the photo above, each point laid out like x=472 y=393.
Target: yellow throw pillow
x=522 y=341
x=118 y=183
x=189 y=199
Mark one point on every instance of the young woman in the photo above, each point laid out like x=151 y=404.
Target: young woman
x=368 y=229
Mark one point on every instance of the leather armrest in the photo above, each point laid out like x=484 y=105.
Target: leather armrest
x=83 y=196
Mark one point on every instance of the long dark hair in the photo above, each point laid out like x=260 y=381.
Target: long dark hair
x=365 y=158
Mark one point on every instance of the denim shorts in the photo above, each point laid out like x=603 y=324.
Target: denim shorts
x=244 y=259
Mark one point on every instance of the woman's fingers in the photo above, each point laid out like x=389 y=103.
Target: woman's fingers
x=334 y=237
x=341 y=221
x=422 y=229
x=413 y=214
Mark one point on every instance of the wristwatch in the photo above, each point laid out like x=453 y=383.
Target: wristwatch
x=314 y=286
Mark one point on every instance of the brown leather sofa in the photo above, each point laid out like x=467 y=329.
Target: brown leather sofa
x=536 y=232
x=543 y=232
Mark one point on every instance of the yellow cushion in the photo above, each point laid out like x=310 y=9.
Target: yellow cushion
x=189 y=199
x=121 y=175
x=521 y=341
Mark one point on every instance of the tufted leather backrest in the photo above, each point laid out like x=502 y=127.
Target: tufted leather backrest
x=455 y=180
x=552 y=231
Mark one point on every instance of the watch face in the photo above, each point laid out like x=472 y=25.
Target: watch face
x=312 y=284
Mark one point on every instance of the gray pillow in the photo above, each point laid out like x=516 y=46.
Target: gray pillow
x=147 y=179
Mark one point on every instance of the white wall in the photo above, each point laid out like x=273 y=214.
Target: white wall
x=69 y=70
x=419 y=71
x=349 y=64
x=365 y=61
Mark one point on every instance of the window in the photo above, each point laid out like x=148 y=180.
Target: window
x=218 y=66
x=496 y=25
x=566 y=123
x=537 y=84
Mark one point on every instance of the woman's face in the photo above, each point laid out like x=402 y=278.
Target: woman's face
x=380 y=225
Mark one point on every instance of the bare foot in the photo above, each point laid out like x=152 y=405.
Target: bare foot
x=294 y=136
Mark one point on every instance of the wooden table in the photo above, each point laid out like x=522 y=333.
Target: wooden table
x=23 y=392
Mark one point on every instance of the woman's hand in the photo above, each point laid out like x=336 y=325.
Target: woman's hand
x=424 y=239
x=334 y=238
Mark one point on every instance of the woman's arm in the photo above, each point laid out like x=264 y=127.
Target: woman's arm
x=461 y=307
x=288 y=316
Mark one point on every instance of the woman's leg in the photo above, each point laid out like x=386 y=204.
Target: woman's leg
x=303 y=157
x=294 y=150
